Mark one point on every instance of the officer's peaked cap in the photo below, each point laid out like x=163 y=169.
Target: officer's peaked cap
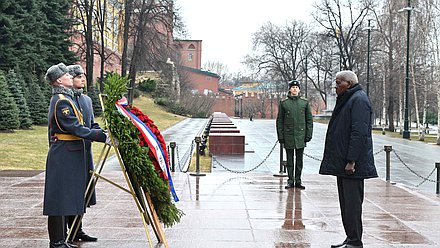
x=294 y=83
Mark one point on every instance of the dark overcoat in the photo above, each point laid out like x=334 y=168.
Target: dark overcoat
x=86 y=106
x=66 y=170
x=349 y=137
x=294 y=122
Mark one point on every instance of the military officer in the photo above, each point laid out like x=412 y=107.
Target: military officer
x=66 y=170
x=85 y=104
x=294 y=129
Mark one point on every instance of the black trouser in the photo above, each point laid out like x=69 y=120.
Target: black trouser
x=56 y=228
x=294 y=178
x=351 y=197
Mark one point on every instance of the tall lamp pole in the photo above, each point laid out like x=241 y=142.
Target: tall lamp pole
x=368 y=58
x=406 y=132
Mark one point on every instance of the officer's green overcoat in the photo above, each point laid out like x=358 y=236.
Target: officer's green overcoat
x=294 y=122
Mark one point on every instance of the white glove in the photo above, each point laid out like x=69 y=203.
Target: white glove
x=108 y=141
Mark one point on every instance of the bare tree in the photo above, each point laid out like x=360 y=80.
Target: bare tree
x=84 y=11
x=220 y=69
x=278 y=50
x=343 y=20
x=151 y=29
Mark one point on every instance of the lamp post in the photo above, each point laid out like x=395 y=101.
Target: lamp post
x=406 y=132
x=368 y=58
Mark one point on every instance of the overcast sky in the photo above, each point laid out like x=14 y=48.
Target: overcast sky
x=226 y=26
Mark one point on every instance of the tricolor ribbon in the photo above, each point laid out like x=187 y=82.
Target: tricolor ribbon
x=152 y=142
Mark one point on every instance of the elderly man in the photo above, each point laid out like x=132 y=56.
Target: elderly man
x=348 y=153
x=66 y=171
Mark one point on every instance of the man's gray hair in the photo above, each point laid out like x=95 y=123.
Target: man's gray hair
x=349 y=76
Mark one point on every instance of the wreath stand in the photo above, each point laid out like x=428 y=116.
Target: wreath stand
x=142 y=199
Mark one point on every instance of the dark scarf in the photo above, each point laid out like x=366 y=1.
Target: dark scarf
x=342 y=99
x=62 y=90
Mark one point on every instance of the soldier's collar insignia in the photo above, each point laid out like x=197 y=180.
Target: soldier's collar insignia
x=66 y=111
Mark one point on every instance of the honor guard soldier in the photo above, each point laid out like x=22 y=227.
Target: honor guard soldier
x=66 y=169
x=294 y=129
x=85 y=104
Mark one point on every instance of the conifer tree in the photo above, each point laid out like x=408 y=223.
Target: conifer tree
x=34 y=35
x=14 y=83
x=8 y=109
x=38 y=103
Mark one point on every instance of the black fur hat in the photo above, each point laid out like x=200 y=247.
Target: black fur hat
x=75 y=70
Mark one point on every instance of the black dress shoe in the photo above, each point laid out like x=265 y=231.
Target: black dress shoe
x=351 y=246
x=82 y=236
x=59 y=244
x=299 y=186
x=289 y=186
x=338 y=245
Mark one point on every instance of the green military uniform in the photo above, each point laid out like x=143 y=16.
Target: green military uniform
x=294 y=128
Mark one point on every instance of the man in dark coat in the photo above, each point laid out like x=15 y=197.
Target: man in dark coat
x=85 y=104
x=294 y=129
x=66 y=170
x=348 y=153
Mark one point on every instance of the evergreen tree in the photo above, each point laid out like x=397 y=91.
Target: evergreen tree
x=15 y=87
x=34 y=35
x=8 y=109
x=38 y=103
x=94 y=95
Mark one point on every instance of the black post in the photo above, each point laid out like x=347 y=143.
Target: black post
x=305 y=87
x=173 y=158
x=241 y=107
x=271 y=108
x=368 y=58
x=388 y=150
x=197 y=140
x=282 y=172
x=406 y=133
x=235 y=107
x=437 y=188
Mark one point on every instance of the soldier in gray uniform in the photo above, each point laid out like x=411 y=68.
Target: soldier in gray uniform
x=294 y=129
x=66 y=169
x=85 y=104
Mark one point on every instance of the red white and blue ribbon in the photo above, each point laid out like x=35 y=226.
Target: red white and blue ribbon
x=152 y=142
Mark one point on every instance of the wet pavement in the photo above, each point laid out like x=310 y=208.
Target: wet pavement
x=228 y=210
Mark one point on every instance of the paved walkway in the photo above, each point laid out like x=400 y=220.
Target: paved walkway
x=231 y=210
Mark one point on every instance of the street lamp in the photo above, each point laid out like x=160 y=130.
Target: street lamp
x=406 y=132
x=368 y=57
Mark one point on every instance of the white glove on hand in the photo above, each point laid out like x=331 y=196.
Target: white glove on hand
x=108 y=141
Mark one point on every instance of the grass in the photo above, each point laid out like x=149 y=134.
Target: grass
x=204 y=163
x=429 y=138
x=27 y=149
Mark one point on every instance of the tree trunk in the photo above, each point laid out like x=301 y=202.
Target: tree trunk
x=103 y=18
x=89 y=44
x=124 y=62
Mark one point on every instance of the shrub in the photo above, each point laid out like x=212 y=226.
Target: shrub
x=148 y=85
